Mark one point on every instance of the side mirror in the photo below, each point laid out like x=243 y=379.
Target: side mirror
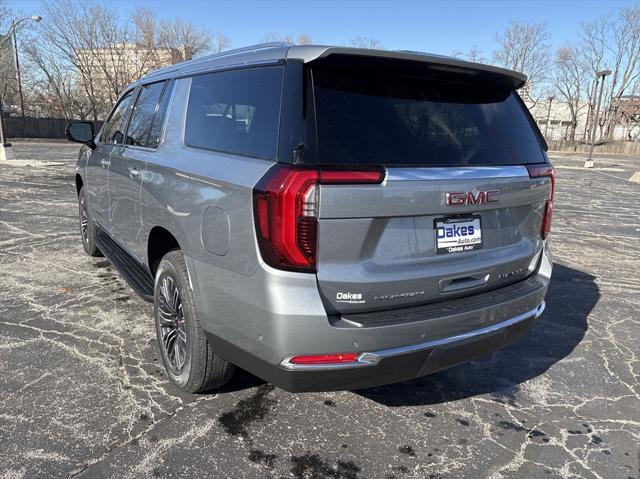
x=81 y=132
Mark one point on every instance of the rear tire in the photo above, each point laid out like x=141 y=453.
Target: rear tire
x=188 y=358
x=88 y=231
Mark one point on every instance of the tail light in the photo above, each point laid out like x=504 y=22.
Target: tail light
x=538 y=171
x=286 y=204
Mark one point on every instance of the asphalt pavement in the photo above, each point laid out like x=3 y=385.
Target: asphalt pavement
x=84 y=394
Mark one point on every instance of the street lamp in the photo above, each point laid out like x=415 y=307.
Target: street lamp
x=36 y=19
x=6 y=152
x=601 y=74
x=546 y=125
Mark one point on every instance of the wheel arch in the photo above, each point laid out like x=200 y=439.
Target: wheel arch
x=79 y=183
x=159 y=243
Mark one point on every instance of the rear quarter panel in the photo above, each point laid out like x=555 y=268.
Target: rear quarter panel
x=180 y=183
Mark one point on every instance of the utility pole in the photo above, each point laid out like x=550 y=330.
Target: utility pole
x=592 y=98
x=15 y=49
x=546 y=126
x=601 y=74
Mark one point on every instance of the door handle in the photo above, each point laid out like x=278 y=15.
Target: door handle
x=105 y=163
x=134 y=173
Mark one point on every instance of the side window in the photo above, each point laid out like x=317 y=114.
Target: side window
x=158 y=120
x=113 y=131
x=142 y=116
x=235 y=111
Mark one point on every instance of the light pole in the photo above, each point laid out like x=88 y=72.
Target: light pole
x=35 y=18
x=6 y=151
x=546 y=125
x=601 y=74
x=592 y=95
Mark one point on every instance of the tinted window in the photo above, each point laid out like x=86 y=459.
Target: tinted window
x=113 y=131
x=376 y=117
x=158 y=120
x=143 y=114
x=235 y=111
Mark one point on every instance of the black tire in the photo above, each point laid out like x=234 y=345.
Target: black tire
x=188 y=357
x=88 y=230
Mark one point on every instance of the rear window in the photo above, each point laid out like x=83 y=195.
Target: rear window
x=235 y=111
x=376 y=117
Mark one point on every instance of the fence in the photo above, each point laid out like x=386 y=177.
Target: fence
x=627 y=148
x=36 y=127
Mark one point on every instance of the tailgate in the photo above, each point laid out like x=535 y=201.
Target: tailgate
x=377 y=243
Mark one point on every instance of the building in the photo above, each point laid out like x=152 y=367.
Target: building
x=560 y=121
x=118 y=65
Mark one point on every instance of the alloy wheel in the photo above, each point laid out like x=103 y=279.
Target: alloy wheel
x=172 y=324
x=84 y=220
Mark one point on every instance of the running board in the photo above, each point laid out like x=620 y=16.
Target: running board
x=131 y=270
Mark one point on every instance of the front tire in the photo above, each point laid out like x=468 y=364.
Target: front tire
x=88 y=231
x=188 y=357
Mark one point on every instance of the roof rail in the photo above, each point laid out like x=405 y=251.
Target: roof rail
x=176 y=66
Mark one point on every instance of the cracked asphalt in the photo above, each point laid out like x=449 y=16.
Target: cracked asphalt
x=83 y=393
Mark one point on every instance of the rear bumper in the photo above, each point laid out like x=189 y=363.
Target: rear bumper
x=258 y=322
x=388 y=365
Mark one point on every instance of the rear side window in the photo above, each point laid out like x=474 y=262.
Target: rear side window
x=377 y=117
x=142 y=116
x=155 y=134
x=235 y=111
x=113 y=131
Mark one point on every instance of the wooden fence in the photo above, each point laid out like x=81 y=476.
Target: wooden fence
x=626 y=148
x=15 y=127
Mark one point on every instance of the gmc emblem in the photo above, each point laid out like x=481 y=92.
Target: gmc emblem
x=471 y=198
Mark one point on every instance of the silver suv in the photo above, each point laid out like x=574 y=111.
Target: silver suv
x=325 y=218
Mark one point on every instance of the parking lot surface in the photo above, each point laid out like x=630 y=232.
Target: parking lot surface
x=84 y=393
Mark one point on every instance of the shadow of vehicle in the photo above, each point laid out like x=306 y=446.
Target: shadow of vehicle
x=571 y=296
x=240 y=381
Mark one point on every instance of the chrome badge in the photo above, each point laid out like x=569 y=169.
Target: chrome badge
x=471 y=198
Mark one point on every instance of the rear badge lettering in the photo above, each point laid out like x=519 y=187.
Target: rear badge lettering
x=511 y=273
x=389 y=297
x=352 y=298
x=471 y=198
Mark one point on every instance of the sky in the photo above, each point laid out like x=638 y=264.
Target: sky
x=433 y=26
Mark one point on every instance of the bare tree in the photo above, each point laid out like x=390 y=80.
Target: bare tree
x=7 y=76
x=221 y=42
x=570 y=78
x=85 y=54
x=185 y=38
x=366 y=42
x=302 y=39
x=524 y=47
x=5 y=15
x=613 y=42
x=53 y=90
x=474 y=54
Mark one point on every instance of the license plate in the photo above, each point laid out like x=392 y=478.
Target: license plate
x=454 y=235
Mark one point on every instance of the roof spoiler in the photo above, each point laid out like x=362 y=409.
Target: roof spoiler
x=489 y=73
